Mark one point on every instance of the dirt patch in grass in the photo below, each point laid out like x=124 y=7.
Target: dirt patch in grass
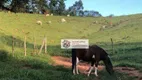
x=83 y=67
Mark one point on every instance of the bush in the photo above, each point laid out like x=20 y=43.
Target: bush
x=3 y=55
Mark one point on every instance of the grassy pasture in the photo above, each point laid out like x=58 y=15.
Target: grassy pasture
x=125 y=32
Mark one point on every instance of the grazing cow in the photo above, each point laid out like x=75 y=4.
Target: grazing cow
x=93 y=54
x=51 y=14
x=49 y=22
x=68 y=15
x=47 y=15
x=39 y=22
x=63 y=20
x=104 y=26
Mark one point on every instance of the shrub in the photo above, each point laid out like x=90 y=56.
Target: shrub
x=3 y=55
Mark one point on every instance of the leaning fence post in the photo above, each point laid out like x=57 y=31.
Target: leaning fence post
x=25 y=42
x=34 y=46
x=12 y=45
x=42 y=46
x=45 y=45
x=112 y=46
x=25 y=47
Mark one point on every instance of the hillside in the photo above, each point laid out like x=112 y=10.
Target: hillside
x=124 y=30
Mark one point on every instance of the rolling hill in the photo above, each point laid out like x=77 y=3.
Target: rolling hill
x=125 y=32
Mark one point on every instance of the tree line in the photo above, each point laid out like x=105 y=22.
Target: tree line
x=57 y=7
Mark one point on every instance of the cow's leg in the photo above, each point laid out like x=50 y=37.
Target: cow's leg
x=91 y=68
x=74 y=69
x=96 y=69
x=77 y=61
x=73 y=61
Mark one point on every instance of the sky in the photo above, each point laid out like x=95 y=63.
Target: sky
x=107 y=7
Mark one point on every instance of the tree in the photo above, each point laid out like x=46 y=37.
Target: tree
x=57 y=6
x=61 y=7
x=91 y=13
x=2 y=2
x=81 y=13
x=19 y=5
x=52 y=6
x=111 y=15
x=77 y=8
x=42 y=6
x=32 y=6
x=36 y=6
x=71 y=11
x=24 y=5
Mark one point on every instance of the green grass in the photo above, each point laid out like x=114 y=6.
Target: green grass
x=125 y=32
x=40 y=68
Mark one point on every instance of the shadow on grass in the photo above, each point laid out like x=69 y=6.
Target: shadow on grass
x=3 y=55
x=119 y=47
x=123 y=53
x=40 y=68
x=32 y=68
x=17 y=41
x=52 y=50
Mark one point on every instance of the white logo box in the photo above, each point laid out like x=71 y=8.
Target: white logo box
x=74 y=43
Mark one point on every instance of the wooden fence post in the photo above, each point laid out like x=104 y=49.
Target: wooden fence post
x=45 y=45
x=25 y=47
x=41 y=46
x=34 y=46
x=112 y=46
x=12 y=45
